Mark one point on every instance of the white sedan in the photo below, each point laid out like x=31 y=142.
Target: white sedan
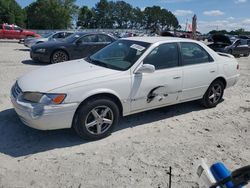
x=129 y=76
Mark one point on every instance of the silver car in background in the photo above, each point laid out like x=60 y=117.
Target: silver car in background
x=47 y=37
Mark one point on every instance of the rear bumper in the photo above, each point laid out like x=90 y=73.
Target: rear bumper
x=39 y=57
x=233 y=80
x=45 y=117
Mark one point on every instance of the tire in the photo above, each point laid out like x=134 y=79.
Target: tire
x=214 y=94
x=89 y=119
x=59 y=56
x=246 y=55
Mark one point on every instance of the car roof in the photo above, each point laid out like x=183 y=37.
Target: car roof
x=158 y=39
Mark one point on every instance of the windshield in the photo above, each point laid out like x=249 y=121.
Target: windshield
x=73 y=37
x=47 y=35
x=120 y=55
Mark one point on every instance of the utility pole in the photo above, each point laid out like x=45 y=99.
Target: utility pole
x=194 y=27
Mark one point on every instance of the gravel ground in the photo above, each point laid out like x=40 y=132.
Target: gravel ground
x=139 y=152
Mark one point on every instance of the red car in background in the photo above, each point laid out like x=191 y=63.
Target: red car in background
x=14 y=32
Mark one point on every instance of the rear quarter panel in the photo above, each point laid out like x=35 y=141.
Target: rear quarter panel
x=228 y=70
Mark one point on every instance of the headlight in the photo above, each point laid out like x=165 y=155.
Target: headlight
x=40 y=50
x=44 y=98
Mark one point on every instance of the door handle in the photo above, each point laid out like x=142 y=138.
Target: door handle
x=212 y=71
x=177 y=77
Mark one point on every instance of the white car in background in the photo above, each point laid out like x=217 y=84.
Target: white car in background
x=47 y=37
x=126 y=77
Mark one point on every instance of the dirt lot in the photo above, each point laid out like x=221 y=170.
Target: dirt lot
x=140 y=151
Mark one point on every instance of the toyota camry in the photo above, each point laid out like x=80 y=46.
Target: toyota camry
x=126 y=77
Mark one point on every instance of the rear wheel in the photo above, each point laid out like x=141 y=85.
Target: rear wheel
x=214 y=94
x=59 y=56
x=96 y=118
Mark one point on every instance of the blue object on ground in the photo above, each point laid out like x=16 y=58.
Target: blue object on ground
x=220 y=172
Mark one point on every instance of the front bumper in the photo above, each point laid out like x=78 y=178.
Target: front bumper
x=44 y=117
x=40 y=57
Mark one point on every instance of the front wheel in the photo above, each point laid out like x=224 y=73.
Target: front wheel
x=96 y=119
x=214 y=94
x=59 y=56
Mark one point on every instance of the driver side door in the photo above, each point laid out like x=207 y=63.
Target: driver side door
x=85 y=46
x=161 y=88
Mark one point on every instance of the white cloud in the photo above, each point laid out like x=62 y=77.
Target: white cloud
x=231 y=18
x=183 y=12
x=246 y=21
x=229 y=25
x=240 y=1
x=213 y=13
x=175 y=1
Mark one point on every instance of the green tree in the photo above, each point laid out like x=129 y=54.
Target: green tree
x=155 y=17
x=86 y=17
x=11 y=12
x=50 y=14
x=103 y=14
x=119 y=14
x=122 y=14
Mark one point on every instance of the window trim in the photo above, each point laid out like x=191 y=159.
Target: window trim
x=83 y=43
x=106 y=42
x=178 y=51
x=210 y=58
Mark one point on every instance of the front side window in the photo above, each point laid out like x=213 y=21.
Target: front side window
x=58 y=36
x=164 y=56
x=67 y=34
x=193 y=54
x=7 y=27
x=120 y=55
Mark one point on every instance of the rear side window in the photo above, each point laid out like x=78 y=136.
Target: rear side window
x=193 y=53
x=164 y=56
x=89 y=38
x=17 y=28
x=104 y=38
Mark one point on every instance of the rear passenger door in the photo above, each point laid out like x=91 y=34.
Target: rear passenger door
x=199 y=70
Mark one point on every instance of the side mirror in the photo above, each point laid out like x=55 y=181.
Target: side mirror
x=78 y=42
x=145 y=68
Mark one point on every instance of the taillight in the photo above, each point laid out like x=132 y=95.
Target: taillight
x=238 y=67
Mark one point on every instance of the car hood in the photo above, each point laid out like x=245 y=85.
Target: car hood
x=35 y=40
x=50 y=44
x=221 y=39
x=59 y=75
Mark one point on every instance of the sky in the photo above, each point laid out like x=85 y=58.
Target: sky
x=211 y=14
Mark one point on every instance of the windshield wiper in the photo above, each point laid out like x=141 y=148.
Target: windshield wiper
x=98 y=62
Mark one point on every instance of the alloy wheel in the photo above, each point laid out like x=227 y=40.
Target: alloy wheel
x=99 y=120
x=215 y=93
x=59 y=56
